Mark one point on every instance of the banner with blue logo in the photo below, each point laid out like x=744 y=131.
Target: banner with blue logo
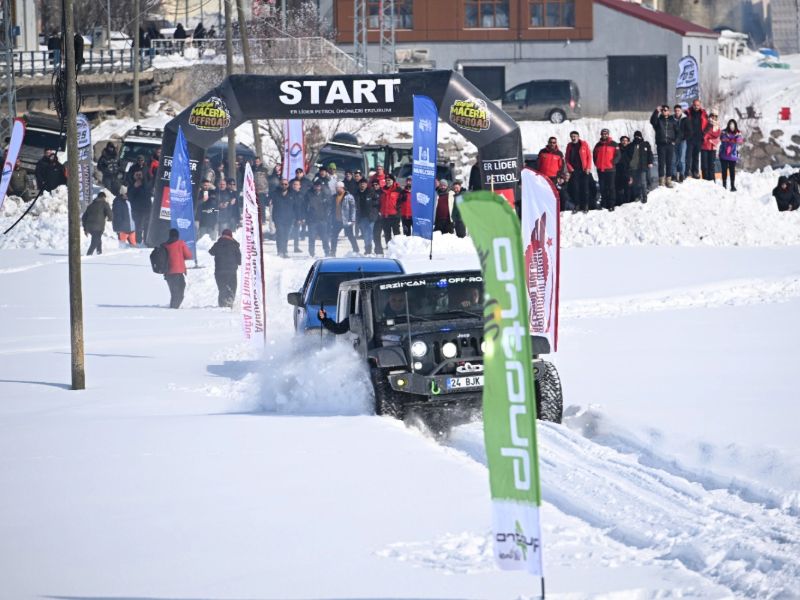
x=180 y=193
x=423 y=173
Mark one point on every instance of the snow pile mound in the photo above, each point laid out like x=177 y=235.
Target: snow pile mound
x=694 y=213
x=44 y=227
x=304 y=376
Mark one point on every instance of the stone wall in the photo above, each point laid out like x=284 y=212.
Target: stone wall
x=771 y=150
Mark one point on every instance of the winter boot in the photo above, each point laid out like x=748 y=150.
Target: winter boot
x=661 y=181
x=668 y=182
x=733 y=188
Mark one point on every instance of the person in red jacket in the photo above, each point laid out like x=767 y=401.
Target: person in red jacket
x=550 y=162
x=579 y=164
x=606 y=155
x=390 y=211
x=379 y=175
x=178 y=252
x=405 y=207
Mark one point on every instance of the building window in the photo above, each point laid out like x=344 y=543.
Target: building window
x=403 y=14
x=551 y=13
x=486 y=13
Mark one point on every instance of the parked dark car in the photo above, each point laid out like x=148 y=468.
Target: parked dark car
x=553 y=100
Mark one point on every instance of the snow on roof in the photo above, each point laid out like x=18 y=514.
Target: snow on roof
x=661 y=19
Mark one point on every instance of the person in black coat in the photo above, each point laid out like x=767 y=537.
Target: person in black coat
x=139 y=197
x=666 y=129
x=41 y=167
x=227 y=258
x=283 y=214
x=207 y=212
x=108 y=165
x=54 y=174
x=786 y=194
x=79 y=60
x=623 y=180
x=639 y=156
x=94 y=222
x=122 y=219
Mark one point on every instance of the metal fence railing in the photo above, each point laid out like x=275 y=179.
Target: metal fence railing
x=282 y=52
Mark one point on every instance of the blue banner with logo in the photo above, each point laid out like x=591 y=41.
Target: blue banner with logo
x=180 y=193
x=423 y=173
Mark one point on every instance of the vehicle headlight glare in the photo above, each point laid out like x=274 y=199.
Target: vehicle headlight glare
x=449 y=350
x=483 y=347
x=419 y=349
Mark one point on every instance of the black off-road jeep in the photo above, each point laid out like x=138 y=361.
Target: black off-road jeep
x=422 y=337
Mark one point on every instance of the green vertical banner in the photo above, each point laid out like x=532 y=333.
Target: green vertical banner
x=509 y=407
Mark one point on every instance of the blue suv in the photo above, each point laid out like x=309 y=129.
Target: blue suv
x=321 y=287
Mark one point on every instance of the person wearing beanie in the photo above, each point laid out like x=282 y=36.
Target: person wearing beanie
x=177 y=253
x=227 y=258
x=711 y=140
x=443 y=217
x=94 y=222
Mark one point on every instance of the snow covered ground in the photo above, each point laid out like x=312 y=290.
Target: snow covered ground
x=194 y=467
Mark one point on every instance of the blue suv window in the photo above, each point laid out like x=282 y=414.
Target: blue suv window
x=326 y=290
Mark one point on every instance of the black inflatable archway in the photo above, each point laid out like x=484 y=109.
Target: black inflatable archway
x=240 y=98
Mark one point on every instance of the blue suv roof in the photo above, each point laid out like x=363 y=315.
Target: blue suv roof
x=365 y=265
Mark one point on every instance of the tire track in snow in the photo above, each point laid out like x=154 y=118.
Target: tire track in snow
x=740 y=292
x=749 y=548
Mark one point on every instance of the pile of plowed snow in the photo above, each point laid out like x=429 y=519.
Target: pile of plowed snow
x=694 y=213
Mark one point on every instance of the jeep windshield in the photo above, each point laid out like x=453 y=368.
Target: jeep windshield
x=131 y=151
x=429 y=300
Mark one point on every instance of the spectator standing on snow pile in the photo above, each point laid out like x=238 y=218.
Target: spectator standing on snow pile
x=622 y=176
x=227 y=258
x=579 y=165
x=41 y=167
x=108 y=165
x=94 y=222
x=122 y=219
x=639 y=156
x=54 y=174
x=786 y=194
x=343 y=217
x=606 y=155
x=711 y=138
x=562 y=187
x=666 y=130
x=683 y=132
x=177 y=254
x=698 y=120
x=18 y=185
x=550 y=161
x=730 y=141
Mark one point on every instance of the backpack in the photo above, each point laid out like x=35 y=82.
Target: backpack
x=159 y=260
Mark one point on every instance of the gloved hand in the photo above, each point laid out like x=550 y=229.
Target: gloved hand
x=321 y=314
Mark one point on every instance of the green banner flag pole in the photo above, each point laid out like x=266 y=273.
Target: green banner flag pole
x=509 y=406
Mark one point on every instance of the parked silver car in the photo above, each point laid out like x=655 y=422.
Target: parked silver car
x=553 y=100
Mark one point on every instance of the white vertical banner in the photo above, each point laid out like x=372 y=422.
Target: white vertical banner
x=541 y=245
x=252 y=290
x=85 y=164
x=294 y=150
x=14 y=145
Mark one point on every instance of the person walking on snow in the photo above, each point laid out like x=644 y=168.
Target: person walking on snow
x=227 y=258
x=94 y=222
x=122 y=219
x=177 y=253
x=730 y=141
x=343 y=218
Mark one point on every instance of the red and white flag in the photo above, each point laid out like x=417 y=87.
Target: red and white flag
x=252 y=288
x=541 y=244
x=294 y=150
x=14 y=145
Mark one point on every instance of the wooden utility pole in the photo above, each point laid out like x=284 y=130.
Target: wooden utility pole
x=136 y=50
x=73 y=208
x=229 y=72
x=248 y=68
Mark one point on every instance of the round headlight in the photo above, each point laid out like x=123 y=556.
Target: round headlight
x=449 y=350
x=419 y=349
x=483 y=347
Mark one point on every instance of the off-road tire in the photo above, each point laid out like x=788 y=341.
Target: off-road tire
x=549 y=397
x=386 y=399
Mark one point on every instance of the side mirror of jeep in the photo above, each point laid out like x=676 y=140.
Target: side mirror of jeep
x=294 y=298
x=356 y=324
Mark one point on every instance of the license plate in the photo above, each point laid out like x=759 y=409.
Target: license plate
x=456 y=383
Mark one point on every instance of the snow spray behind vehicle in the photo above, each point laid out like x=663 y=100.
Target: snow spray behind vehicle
x=14 y=145
x=509 y=409
x=423 y=167
x=181 y=205
x=252 y=290
x=541 y=243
